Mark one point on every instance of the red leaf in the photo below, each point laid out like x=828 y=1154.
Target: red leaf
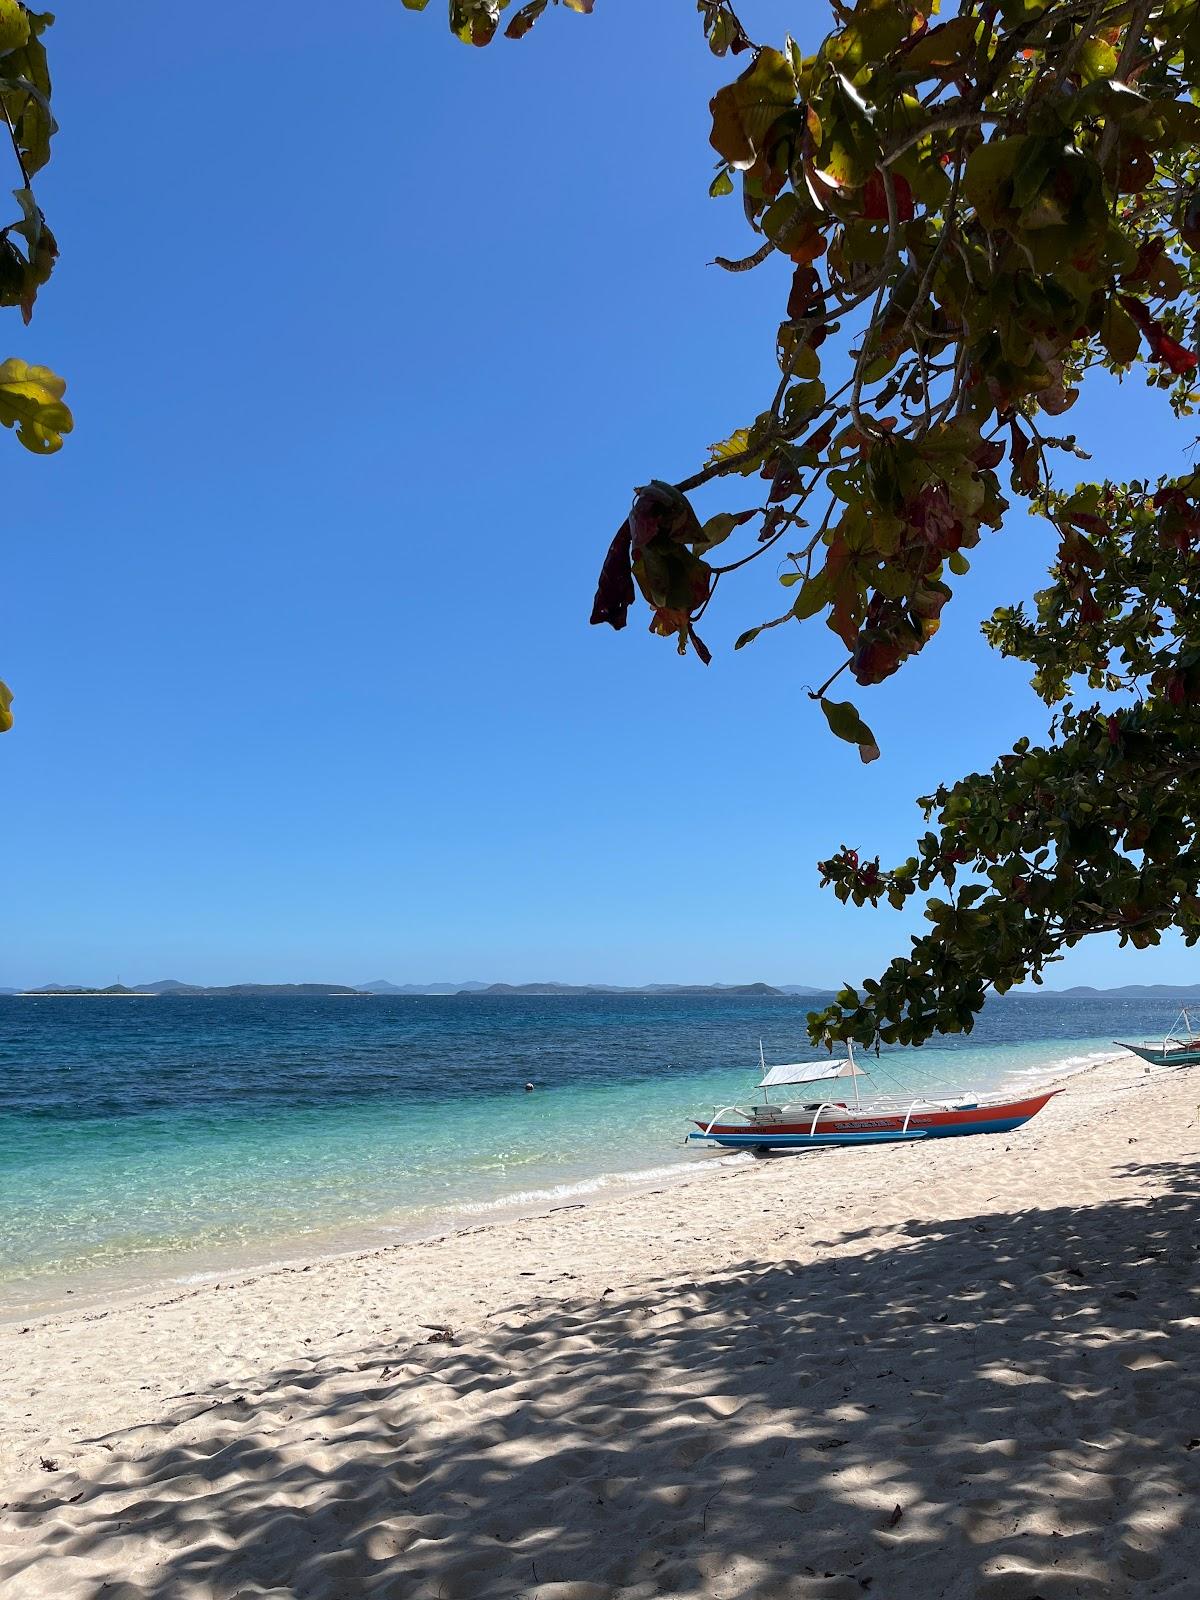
x=876 y=656
x=614 y=593
x=805 y=293
x=1162 y=347
x=1143 y=268
x=1175 y=356
x=990 y=454
x=819 y=440
x=785 y=480
x=1082 y=550
x=525 y=19
x=874 y=198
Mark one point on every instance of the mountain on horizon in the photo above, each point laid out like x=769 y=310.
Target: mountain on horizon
x=172 y=986
x=383 y=986
x=1129 y=991
x=743 y=989
x=77 y=988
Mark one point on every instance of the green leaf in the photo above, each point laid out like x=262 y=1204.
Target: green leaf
x=474 y=21
x=1118 y=332
x=845 y=722
x=988 y=175
x=946 y=46
x=849 y=149
x=31 y=402
x=744 y=111
x=871 y=33
x=25 y=92
x=718 y=528
x=880 y=366
x=815 y=594
x=721 y=184
x=1097 y=60
x=745 y=638
x=6 y=716
x=802 y=400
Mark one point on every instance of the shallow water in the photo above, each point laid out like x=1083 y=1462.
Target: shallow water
x=148 y=1139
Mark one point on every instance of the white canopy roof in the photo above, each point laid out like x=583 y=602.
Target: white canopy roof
x=811 y=1072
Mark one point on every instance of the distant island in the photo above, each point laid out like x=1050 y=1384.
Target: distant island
x=169 y=987
x=1128 y=991
x=173 y=988
x=51 y=989
x=752 y=990
x=381 y=987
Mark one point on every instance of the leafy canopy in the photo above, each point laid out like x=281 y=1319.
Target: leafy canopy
x=31 y=398
x=979 y=211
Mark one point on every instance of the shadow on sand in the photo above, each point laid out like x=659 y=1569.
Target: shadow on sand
x=1004 y=1406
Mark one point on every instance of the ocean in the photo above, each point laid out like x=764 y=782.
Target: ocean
x=145 y=1142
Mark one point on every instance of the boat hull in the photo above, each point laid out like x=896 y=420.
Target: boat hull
x=873 y=1128
x=749 y=1139
x=1184 y=1056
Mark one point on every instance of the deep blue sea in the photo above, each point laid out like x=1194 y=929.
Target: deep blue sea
x=147 y=1140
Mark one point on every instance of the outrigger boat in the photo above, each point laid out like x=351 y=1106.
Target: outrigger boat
x=1175 y=1050
x=882 y=1119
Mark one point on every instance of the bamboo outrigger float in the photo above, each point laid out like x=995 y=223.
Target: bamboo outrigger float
x=881 y=1119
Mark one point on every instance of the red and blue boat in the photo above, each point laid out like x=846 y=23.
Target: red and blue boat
x=820 y=1119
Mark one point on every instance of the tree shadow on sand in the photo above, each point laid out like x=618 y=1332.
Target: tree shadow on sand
x=1003 y=1406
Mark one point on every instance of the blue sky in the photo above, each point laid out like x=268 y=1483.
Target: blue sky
x=368 y=337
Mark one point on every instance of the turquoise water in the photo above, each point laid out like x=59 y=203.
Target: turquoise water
x=149 y=1139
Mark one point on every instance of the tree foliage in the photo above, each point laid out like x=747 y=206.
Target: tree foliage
x=31 y=397
x=979 y=210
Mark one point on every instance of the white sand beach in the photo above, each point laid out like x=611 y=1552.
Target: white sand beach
x=969 y=1368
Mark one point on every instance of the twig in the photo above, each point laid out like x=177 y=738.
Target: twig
x=708 y=1504
x=746 y=262
x=819 y=694
x=970 y=119
x=12 y=133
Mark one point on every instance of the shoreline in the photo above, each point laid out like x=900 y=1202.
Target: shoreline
x=100 y=1288
x=706 y=1168
x=965 y=1370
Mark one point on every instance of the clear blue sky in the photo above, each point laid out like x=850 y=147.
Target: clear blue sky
x=368 y=337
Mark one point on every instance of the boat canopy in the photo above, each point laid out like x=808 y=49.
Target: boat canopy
x=811 y=1072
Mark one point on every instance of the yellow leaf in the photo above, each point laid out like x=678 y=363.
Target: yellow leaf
x=31 y=401
x=735 y=445
x=6 y=717
x=14 y=26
